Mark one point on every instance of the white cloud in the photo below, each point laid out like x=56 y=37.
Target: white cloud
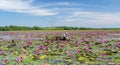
x=24 y=6
x=48 y=4
x=100 y=17
x=89 y=19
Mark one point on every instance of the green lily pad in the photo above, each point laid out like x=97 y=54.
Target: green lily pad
x=81 y=58
x=4 y=48
x=117 y=60
x=27 y=59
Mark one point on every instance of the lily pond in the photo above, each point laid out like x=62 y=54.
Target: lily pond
x=42 y=48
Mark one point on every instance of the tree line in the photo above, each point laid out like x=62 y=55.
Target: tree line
x=12 y=28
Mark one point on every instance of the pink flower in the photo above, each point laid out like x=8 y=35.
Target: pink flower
x=76 y=44
x=40 y=47
x=86 y=48
x=6 y=60
x=88 y=45
x=44 y=48
x=43 y=63
x=18 y=60
x=99 y=59
x=22 y=56
x=67 y=51
x=37 y=52
x=78 y=51
x=111 y=46
x=103 y=54
x=3 y=52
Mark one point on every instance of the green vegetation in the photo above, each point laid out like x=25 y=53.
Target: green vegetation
x=11 y=28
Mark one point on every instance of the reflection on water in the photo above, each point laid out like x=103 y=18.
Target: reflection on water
x=6 y=37
x=17 y=37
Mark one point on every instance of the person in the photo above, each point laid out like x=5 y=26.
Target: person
x=64 y=37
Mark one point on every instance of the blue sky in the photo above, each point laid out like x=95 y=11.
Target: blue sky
x=47 y=13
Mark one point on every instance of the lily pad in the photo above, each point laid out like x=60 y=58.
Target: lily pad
x=82 y=58
x=27 y=59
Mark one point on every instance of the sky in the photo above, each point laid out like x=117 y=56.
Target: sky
x=50 y=13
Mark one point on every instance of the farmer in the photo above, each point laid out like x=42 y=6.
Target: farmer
x=64 y=37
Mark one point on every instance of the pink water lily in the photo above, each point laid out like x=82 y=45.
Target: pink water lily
x=37 y=52
x=76 y=44
x=111 y=46
x=43 y=63
x=86 y=49
x=99 y=59
x=88 y=45
x=41 y=47
x=78 y=51
x=6 y=61
x=67 y=51
x=2 y=52
x=19 y=60
x=103 y=55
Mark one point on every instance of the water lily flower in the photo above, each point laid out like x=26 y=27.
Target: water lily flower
x=86 y=48
x=67 y=51
x=6 y=60
x=103 y=54
x=43 y=63
x=22 y=56
x=78 y=51
x=76 y=44
x=111 y=46
x=37 y=52
x=44 y=48
x=88 y=45
x=19 y=60
x=40 y=47
x=2 y=52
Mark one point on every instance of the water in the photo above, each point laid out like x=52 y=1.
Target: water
x=6 y=37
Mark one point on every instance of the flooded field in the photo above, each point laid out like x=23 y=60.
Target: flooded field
x=45 y=48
